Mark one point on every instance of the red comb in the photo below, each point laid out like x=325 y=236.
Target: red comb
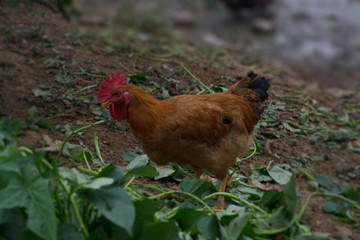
x=109 y=84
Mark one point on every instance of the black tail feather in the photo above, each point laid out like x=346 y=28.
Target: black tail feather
x=259 y=85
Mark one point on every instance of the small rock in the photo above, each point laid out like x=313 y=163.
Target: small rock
x=341 y=93
x=263 y=25
x=183 y=19
x=293 y=143
x=342 y=231
x=213 y=40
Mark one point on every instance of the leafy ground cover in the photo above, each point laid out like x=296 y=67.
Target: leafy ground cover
x=67 y=171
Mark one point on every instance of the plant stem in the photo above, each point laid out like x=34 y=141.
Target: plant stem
x=86 y=161
x=89 y=171
x=199 y=200
x=307 y=175
x=251 y=154
x=165 y=192
x=91 y=74
x=196 y=79
x=75 y=208
x=129 y=182
x=306 y=204
x=72 y=134
x=342 y=198
x=170 y=213
x=96 y=142
x=229 y=195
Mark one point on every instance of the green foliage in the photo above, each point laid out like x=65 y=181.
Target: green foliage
x=36 y=119
x=137 y=78
x=39 y=200
x=16 y=34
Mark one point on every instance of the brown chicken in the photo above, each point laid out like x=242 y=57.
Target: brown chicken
x=205 y=132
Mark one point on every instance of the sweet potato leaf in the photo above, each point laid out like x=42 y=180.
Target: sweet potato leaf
x=128 y=156
x=68 y=232
x=209 y=227
x=187 y=219
x=195 y=186
x=140 y=166
x=110 y=171
x=145 y=212
x=114 y=203
x=280 y=175
x=31 y=192
x=290 y=197
x=162 y=231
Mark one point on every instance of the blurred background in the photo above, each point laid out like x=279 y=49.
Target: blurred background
x=319 y=40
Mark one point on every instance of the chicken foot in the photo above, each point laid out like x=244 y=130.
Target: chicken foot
x=220 y=204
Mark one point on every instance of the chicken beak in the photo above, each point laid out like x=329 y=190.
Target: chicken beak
x=106 y=104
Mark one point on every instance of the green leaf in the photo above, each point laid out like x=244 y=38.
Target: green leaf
x=242 y=190
x=32 y=193
x=187 y=219
x=137 y=78
x=271 y=197
x=64 y=79
x=76 y=152
x=277 y=220
x=165 y=93
x=8 y=152
x=74 y=176
x=27 y=235
x=234 y=229
x=260 y=174
x=140 y=166
x=38 y=92
x=33 y=113
x=114 y=203
x=331 y=207
x=43 y=123
x=13 y=215
x=341 y=209
x=218 y=88
x=8 y=165
x=327 y=184
x=145 y=216
x=110 y=171
x=12 y=230
x=291 y=129
x=99 y=182
x=164 y=172
x=68 y=129
x=162 y=231
x=128 y=156
x=209 y=227
x=195 y=186
x=290 y=197
x=138 y=162
x=68 y=232
x=280 y=175
x=352 y=194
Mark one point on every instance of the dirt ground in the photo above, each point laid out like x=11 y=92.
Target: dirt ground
x=38 y=46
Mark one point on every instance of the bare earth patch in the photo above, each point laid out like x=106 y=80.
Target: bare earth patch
x=57 y=66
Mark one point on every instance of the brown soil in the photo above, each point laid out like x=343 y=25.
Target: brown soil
x=26 y=65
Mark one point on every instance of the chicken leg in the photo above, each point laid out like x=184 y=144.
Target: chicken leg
x=220 y=204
